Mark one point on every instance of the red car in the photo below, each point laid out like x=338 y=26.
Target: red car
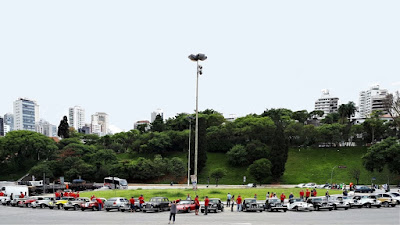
x=28 y=202
x=93 y=205
x=185 y=206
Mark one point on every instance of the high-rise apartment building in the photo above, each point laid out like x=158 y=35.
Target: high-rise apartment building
x=146 y=123
x=99 y=124
x=326 y=103
x=76 y=117
x=9 y=120
x=1 y=126
x=46 y=128
x=155 y=113
x=26 y=113
x=371 y=100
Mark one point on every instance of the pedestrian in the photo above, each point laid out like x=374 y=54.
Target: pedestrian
x=345 y=192
x=233 y=202
x=312 y=193
x=307 y=193
x=267 y=195
x=57 y=194
x=291 y=196
x=239 y=203
x=172 y=212
x=315 y=193
x=141 y=201
x=99 y=203
x=132 y=202
x=327 y=195
x=206 y=202
x=255 y=196
x=188 y=197
x=283 y=196
x=228 y=199
x=197 y=205
x=21 y=195
x=302 y=194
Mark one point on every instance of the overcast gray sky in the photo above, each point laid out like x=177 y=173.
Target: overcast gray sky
x=128 y=58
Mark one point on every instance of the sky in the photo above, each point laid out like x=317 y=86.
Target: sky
x=128 y=58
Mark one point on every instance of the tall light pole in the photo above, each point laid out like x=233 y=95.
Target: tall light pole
x=332 y=174
x=190 y=137
x=196 y=58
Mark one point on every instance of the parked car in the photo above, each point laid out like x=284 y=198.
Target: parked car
x=300 y=185
x=214 y=205
x=185 y=206
x=75 y=204
x=93 y=205
x=156 y=204
x=17 y=201
x=367 y=201
x=118 y=203
x=45 y=202
x=251 y=205
x=352 y=202
x=28 y=202
x=274 y=204
x=324 y=186
x=310 y=185
x=386 y=199
x=298 y=204
x=60 y=203
x=320 y=203
x=338 y=203
x=363 y=189
x=396 y=196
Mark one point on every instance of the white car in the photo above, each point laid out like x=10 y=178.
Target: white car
x=352 y=202
x=310 y=185
x=300 y=185
x=395 y=196
x=367 y=201
x=298 y=204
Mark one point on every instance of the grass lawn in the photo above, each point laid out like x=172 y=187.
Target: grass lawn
x=174 y=194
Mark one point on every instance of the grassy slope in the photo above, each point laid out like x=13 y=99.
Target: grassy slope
x=306 y=165
x=173 y=194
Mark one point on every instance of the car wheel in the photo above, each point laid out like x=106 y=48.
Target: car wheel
x=108 y=210
x=66 y=209
x=334 y=207
x=188 y=210
x=386 y=204
x=284 y=210
x=368 y=205
x=360 y=206
x=58 y=206
x=93 y=208
x=51 y=207
x=346 y=208
x=378 y=206
x=122 y=210
x=222 y=209
x=83 y=209
x=330 y=209
x=393 y=205
x=75 y=207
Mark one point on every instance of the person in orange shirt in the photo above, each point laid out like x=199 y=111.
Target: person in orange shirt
x=239 y=203
x=301 y=194
x=132 y=201
x=141 y=201
x=206 y=202
x=197 y=205
x=307 y=193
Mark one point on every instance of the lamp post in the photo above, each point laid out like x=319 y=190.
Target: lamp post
x=190 y=136
x=332 y=174
x=196 y=58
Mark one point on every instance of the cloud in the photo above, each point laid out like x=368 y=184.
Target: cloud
x=396 y=83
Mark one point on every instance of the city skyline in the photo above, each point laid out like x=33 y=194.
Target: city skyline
x=124 y=60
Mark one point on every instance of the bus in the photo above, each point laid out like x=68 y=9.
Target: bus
x=115 y=183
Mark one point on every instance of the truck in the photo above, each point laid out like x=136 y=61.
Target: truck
x=15 y=190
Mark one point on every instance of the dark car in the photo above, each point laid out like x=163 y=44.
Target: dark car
x=251 y=205
x=214 y=205
x=156 y=204
x=274 y=204
x=363 y=189
x=320 y=203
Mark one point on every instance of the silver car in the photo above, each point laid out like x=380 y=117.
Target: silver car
x=46 y=202
x=118 y=203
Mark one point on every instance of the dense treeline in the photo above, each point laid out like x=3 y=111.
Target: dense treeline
x=266 y=137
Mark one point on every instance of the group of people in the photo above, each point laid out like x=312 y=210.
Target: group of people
x=59 y=194
x=308 y=193
x=132 y=203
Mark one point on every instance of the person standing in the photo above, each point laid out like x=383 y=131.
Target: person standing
x=141 y=201
x=291 y=196
x=314 y=193
x=239 y=203
x=283 y=196
x=197 y=205
x=307 y=194
x=172 y=212
x=255 y=196
x=233 y=202
x=327 y=195
x=206 y=202
x=21 y=195
x=267 y=195
x=302 y=194
x=228 y=199
x=99 y=203
x=132 y=202
x=188 y=197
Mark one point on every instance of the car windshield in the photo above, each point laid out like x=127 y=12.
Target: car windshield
x=123 y=182
x=395 y=194
x=213 y=200
x=295 y=200
x=185 y=202
x=317 y=199
x=155 y=200
x=251 y=201
x=273 y=200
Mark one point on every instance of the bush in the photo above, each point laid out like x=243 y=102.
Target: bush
x=260 y=169
x=217 y=174
x=237 y=156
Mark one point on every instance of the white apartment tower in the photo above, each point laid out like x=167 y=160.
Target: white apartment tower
x=371 y=100
x=26 y=114
x=155 y=113
x=327 y=103
x=99 y=123
x=76 y=117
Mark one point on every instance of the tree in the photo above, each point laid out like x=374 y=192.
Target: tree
x=331 y=118
x=355 y=173
x=256 y=150
x=217 y=174
x=346 y=111
x=374 y=126
x=237 y=156
x=300 y=116
x=63 y=128
x=158 y=124
x=384 y=153
x=392 y=106
x=260 y=169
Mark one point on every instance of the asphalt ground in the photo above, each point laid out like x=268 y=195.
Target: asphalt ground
x=16 y=215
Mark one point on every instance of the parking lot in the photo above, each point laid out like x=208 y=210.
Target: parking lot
x=15 y=215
